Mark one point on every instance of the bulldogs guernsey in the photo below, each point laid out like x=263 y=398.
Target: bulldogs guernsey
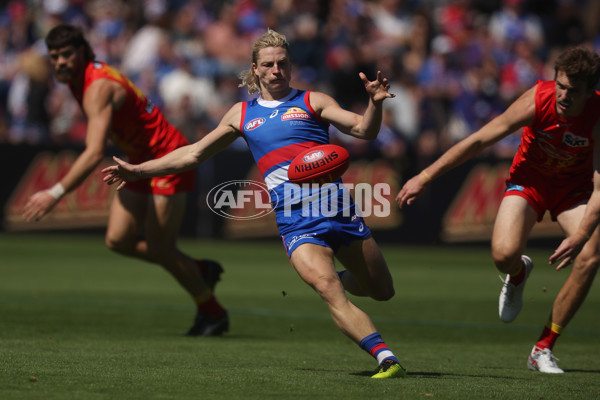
x=277 y=131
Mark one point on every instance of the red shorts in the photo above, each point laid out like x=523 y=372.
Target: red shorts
x=546 y=193
x=165 y=185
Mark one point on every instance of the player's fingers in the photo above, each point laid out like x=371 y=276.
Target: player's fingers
x=111 y=178
x=564 y=263
x=110 y=169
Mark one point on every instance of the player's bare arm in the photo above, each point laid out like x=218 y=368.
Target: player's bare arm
x=181 y=159
x=570 y=247
x=98 y=104
x=519 y=114
x=364 y=126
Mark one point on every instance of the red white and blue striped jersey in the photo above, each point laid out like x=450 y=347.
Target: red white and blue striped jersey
x=277 y=131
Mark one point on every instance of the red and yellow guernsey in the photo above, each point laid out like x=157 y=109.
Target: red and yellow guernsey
x=556 y=146
x=137 y=127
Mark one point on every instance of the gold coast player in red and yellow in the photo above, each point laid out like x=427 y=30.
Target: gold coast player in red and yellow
x=115 y=108
x=556 y=169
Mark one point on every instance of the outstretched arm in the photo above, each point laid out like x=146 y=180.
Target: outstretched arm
x=98 y=108
x=570 y=247
x=181 y=159
x=518 y=114
x=364 y=126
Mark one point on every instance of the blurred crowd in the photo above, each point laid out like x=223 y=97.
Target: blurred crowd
x=453 y=64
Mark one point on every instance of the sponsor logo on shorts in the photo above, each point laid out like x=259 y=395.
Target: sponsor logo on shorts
x=513 y=187
x=297 y=238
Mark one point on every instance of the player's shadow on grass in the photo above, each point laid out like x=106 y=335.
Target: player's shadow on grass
x=584 y=371
x=434 y=375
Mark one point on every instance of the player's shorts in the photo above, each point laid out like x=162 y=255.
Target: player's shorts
x=330 y=232
x=166 y=185
x=544 y=193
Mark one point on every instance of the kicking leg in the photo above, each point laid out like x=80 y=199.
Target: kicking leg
x=367 y=272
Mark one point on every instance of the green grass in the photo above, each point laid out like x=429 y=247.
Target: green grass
x=79 y=322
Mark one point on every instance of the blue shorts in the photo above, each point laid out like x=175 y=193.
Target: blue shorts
x=330 y=232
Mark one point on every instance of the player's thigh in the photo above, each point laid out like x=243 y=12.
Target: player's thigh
x=514 y=221
x=313 y=263
x=570 y=220
x=364 y=259
x=164 y=217
x=126 y=216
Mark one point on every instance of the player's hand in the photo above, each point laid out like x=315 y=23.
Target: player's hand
x=38 y=206
x=377 y=89
x=410 y=191
x=568 y=249
x=121 y=173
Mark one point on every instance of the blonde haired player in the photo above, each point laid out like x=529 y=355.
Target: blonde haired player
x=275 y=137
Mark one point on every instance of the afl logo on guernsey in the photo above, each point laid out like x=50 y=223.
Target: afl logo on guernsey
x=295 y=113
x=255 y=123
x=313 y=156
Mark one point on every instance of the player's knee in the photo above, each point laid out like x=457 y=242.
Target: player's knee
x=118 y=246
x=384 y=294
x=327 y=287
x=506 y=262
x=112 y=245
x=587 y=265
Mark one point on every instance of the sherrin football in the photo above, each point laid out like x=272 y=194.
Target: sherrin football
x=320 y=164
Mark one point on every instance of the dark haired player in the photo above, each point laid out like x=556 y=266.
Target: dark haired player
x=556 y=169
x=116 y=109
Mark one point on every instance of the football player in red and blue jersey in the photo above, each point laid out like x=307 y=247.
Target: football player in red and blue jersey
x=279 y=124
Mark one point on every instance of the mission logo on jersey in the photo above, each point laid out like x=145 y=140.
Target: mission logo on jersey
x=295 y=113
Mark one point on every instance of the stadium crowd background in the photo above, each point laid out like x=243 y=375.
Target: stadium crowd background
x=453 y=64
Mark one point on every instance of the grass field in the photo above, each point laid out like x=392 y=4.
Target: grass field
x=79 y=322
